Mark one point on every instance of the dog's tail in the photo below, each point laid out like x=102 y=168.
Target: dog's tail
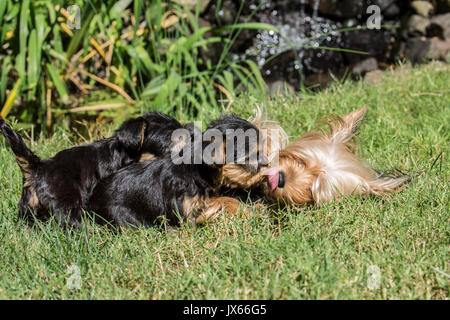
x=27 y=160
x=387 y=184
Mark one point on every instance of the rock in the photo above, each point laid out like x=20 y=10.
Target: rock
x=365 y=66
x=418 y=25
x=280 y=88
x=191 y=4
x=443 y=6
x=341 y=9
x=416 y=49
x=422 y=8
x=438 y=50
x=374 y=42
x=321 y=80
x=322 y=61
x=221 y=12
x=420 y=49
x=282 y=67
x=202 y=23
x=389 y=8
x=373 y=77
x=440 y=26
x=227 y=14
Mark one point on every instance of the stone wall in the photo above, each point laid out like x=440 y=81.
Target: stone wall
x=417 y=31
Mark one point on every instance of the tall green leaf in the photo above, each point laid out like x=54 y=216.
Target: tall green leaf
x=59 y=84
x=23 y=39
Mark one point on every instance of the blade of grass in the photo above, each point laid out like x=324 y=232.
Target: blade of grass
x=23 y=39
x=80 y=34
x=33 y=63
x=259 y=81
x=59 y=83
x=11 y=98
x=6 y=67
x=111 y=85
x=248 y=25
x=3 y=5
x=98 y=107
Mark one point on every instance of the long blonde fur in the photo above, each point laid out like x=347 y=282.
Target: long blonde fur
x=321 y=166
x=275 y=137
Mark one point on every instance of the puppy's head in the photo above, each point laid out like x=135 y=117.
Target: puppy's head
x=236 y=147
x=322 y=166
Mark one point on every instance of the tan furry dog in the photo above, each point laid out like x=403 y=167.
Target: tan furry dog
x=321 y=166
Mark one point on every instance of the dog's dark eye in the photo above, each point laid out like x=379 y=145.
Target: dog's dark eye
x=281 y=179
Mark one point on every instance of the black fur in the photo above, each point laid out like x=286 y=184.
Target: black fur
x=142 y=193
x=60 y=186
x=159 y=133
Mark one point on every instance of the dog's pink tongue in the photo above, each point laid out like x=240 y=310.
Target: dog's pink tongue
x=273 y=177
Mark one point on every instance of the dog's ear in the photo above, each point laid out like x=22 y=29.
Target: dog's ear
x=343 y=129
x=353 y=119
x=131 y=133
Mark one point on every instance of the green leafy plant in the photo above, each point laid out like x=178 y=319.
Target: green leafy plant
x=128 y=56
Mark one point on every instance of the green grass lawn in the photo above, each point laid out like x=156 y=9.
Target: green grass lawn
x=332 y=252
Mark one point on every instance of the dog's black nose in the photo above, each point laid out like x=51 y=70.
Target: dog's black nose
x=281 y=179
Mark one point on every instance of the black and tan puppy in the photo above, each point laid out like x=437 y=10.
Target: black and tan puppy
x=144 y=193
x=60 y=186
